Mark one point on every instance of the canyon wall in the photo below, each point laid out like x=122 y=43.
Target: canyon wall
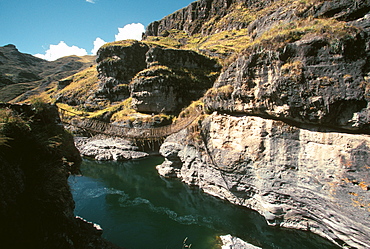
x=301 y=178
x=287 y=125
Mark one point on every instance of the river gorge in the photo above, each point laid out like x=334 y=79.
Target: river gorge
x=137 y=208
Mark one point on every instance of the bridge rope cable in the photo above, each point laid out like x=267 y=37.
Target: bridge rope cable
x=127 y=132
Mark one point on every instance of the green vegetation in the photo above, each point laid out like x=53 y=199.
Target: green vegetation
x=174 y=39
x=223 y=43
x=4 y=140
x=109 y=110
x=125 y=111
x=283 y=33
x=154 y=71
x=79 y=90
x=8 y=121
x=239 y=14
x=35 y=126
x=194 y=108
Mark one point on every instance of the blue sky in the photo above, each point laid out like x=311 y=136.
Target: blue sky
x=73 y=25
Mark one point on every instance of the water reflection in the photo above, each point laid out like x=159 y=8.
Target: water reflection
x=138 y=209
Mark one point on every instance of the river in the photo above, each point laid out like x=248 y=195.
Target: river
x=138 y=209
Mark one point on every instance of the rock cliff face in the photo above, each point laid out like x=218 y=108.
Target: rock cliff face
x=289 y=131
x=212 y=16
x=316 y=81
x=36 y=206
x=297 y=178
x=192 y=18
x=159 y=80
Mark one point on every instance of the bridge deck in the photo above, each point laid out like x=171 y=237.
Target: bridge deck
x=105 y=128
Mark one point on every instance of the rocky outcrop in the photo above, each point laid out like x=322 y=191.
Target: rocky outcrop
x=104 y=148
x=230 y=242
x=117 y=65
x=159 y=80
x=36 y=206
x=212 y=16
x=192 y=18
x=303 y=178
x=316 y=81
x=168 y=90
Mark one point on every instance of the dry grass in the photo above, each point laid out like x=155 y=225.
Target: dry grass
x=225 y=44
x=223 y=92
x=293 y=70
x=82 y=85
x=123 y=43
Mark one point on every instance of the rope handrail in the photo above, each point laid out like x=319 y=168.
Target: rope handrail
x=127 y=132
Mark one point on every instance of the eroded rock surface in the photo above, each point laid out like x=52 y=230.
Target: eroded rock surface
x=107 y=148
x=159 y=80
x=301 y=178
x=308 y=81
x=230 y=242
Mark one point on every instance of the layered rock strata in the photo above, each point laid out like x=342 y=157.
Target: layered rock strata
x=301 y=178
x=202 y=17
x=307 y=81
x=230 y=242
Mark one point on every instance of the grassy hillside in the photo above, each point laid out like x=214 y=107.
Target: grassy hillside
x=244 y=27
x=21 y=72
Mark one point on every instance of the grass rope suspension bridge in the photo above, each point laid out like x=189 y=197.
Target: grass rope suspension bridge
x=109 y=129
x=155 y=133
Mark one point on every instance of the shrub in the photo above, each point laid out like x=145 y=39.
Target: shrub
x=4 y=140
x=223 y=92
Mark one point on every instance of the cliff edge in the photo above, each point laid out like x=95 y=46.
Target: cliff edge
x=36 y=157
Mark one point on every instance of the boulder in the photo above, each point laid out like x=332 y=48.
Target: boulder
x=104 y=148
x=230 y=242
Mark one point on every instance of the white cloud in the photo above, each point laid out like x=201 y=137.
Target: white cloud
x=90 y=1
x=97 y=44
x=130 y=31
x=62 y=49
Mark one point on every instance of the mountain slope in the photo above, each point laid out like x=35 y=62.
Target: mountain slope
x=21 y=72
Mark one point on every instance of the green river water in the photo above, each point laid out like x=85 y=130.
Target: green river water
x=138 y=209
